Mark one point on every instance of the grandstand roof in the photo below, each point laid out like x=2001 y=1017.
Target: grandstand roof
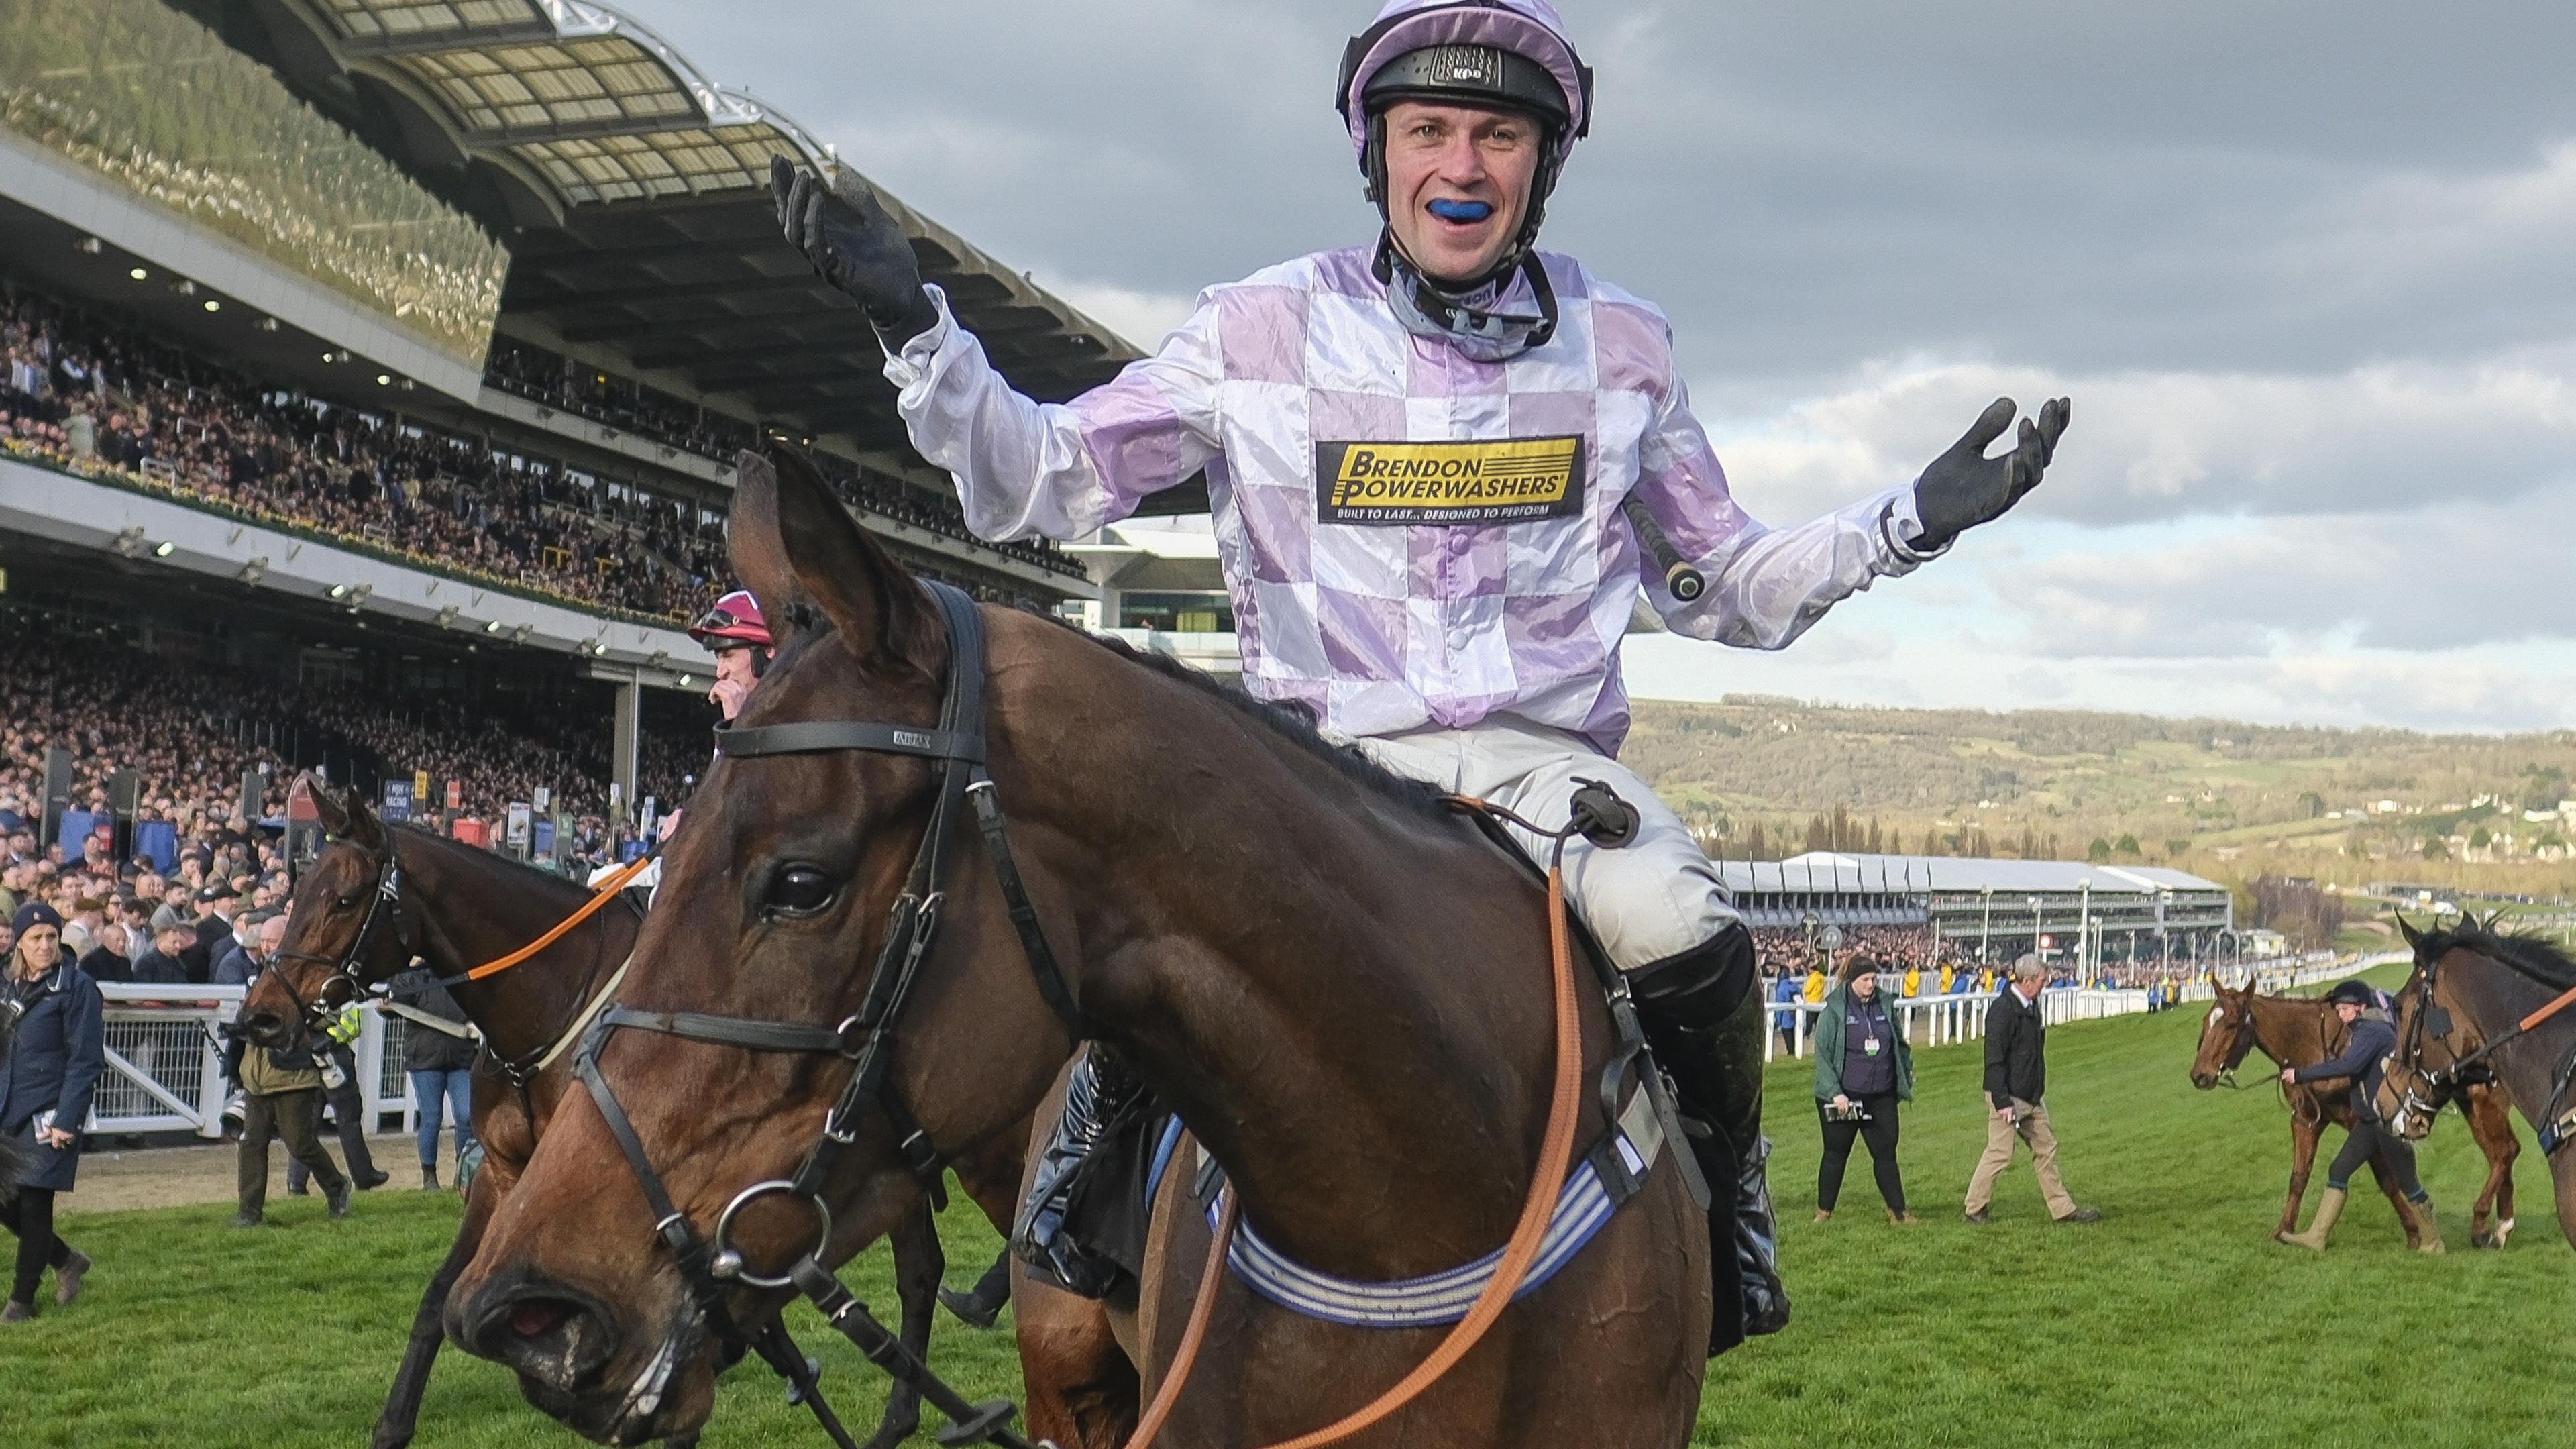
x=1829 y=871
x=633 y=194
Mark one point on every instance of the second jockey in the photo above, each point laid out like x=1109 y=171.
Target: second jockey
x=1417 y=454
x=736 y=632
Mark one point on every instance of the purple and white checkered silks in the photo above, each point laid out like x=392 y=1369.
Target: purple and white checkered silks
x=1382 y=629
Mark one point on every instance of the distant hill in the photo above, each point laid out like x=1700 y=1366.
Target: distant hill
x=2208 y=791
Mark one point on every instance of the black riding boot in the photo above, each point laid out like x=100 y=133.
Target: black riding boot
x=1705 y=1024
x=1103 y=1091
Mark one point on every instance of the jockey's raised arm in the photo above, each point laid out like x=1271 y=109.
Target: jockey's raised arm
x=1418 y=455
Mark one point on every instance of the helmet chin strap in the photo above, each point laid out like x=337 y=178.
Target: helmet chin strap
x=1444 y=312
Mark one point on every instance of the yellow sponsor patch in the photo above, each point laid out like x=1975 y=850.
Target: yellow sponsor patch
x=1501 y=480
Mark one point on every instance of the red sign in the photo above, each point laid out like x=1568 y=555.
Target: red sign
x=455 y=794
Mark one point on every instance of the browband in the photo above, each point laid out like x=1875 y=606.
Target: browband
x=814 y=737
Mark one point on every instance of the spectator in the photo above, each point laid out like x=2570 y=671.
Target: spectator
x=165 y=963
x=56 y=1054
x=215 y=902
x=1785 y=991
x=1863 y=1070
x=438 y=1052
x=81 y=925
x=108 y=960
x=2016 y=1094
x=244 y=962
x=283 y=1090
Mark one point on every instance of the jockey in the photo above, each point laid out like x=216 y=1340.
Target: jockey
x=1465 y=635
x=738 y=635
x=734 y=630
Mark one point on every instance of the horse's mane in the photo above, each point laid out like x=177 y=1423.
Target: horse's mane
x=2537 y=957
x=1290 y=724
x=527 y=868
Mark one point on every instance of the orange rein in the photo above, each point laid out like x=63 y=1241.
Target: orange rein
x=1555 y=1157
x=607 y=892
x=2548 y=1011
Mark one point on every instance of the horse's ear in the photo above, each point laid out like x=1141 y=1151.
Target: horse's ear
x=753 y=543
x=361 y=828
x=878 y=607
x=2407 y=929
x=327 y=805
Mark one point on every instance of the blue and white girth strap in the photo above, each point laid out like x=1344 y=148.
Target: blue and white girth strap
x=1583 y=1207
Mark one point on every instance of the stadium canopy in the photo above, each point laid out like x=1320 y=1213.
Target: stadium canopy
x=1844 y=873
x=633 y=195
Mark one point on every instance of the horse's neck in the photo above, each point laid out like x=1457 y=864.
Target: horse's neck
x=2289 y=1030
x=475 y=911
x=2495 y=997
x=1346 y=1000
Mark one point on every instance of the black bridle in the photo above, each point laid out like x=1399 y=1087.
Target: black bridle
x=2432 y=1089
x=866 y=1038
x=345 y=986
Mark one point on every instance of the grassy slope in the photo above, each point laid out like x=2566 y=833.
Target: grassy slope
x=2082 y=775
x=2173 y=1321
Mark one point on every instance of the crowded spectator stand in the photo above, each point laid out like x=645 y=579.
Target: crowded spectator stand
x=114 y=406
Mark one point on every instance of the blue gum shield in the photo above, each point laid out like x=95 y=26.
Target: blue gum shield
x=1461 y=211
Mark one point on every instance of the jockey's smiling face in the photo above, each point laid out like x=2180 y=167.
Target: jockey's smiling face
x=1457 y=154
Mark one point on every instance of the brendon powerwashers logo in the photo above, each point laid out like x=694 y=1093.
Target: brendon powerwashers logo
x=1502 y=480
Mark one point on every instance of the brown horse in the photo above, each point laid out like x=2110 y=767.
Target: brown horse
x=1340 y=986
x=2299 y=1031
x=461 y=906
x=2471 y=989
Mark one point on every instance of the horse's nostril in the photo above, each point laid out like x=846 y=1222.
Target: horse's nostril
x=537 y=1316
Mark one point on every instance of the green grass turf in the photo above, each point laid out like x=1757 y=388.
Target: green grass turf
x=2173 y=1321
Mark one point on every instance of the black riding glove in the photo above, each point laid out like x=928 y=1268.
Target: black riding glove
x=1964 y=487
x=845 y=232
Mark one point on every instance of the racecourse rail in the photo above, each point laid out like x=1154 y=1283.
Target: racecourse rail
x=1961 y=1015
x=165 y=1063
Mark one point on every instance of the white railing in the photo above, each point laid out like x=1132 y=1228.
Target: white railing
x=165 y=1065
x=1961 y=1016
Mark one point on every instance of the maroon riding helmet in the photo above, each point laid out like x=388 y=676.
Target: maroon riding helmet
x=733 y=622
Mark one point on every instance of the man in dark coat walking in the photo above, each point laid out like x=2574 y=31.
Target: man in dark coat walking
x=2016 y=1085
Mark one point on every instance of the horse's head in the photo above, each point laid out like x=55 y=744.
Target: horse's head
x=341 y=931
x=2433 y=1036
x=779 y=895
x=2226 y=1035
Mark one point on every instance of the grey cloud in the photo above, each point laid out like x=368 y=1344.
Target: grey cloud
x=2181 y=186
x=2439 y=579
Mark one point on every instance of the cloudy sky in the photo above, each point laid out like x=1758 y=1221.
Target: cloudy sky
x=2308 y=271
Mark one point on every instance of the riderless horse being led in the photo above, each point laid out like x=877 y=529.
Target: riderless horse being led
x=379 y=896
x=1343 y=986
x=2482 y=1007
x=2299 y=1031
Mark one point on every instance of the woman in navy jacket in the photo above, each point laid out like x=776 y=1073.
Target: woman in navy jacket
x=56 y=1054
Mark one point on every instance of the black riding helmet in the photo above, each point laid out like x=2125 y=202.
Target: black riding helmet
x=2354 y=992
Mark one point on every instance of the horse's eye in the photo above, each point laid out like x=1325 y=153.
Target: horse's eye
x=800 y=890
x=346 y=903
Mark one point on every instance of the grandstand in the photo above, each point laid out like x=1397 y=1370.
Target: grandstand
x=396 y=364
x=1996 y=910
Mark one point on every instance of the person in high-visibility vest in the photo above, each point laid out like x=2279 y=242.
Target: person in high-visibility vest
x=1815 y=990
x=1986 y=981
x=1914 y=981
x=1949 y=978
